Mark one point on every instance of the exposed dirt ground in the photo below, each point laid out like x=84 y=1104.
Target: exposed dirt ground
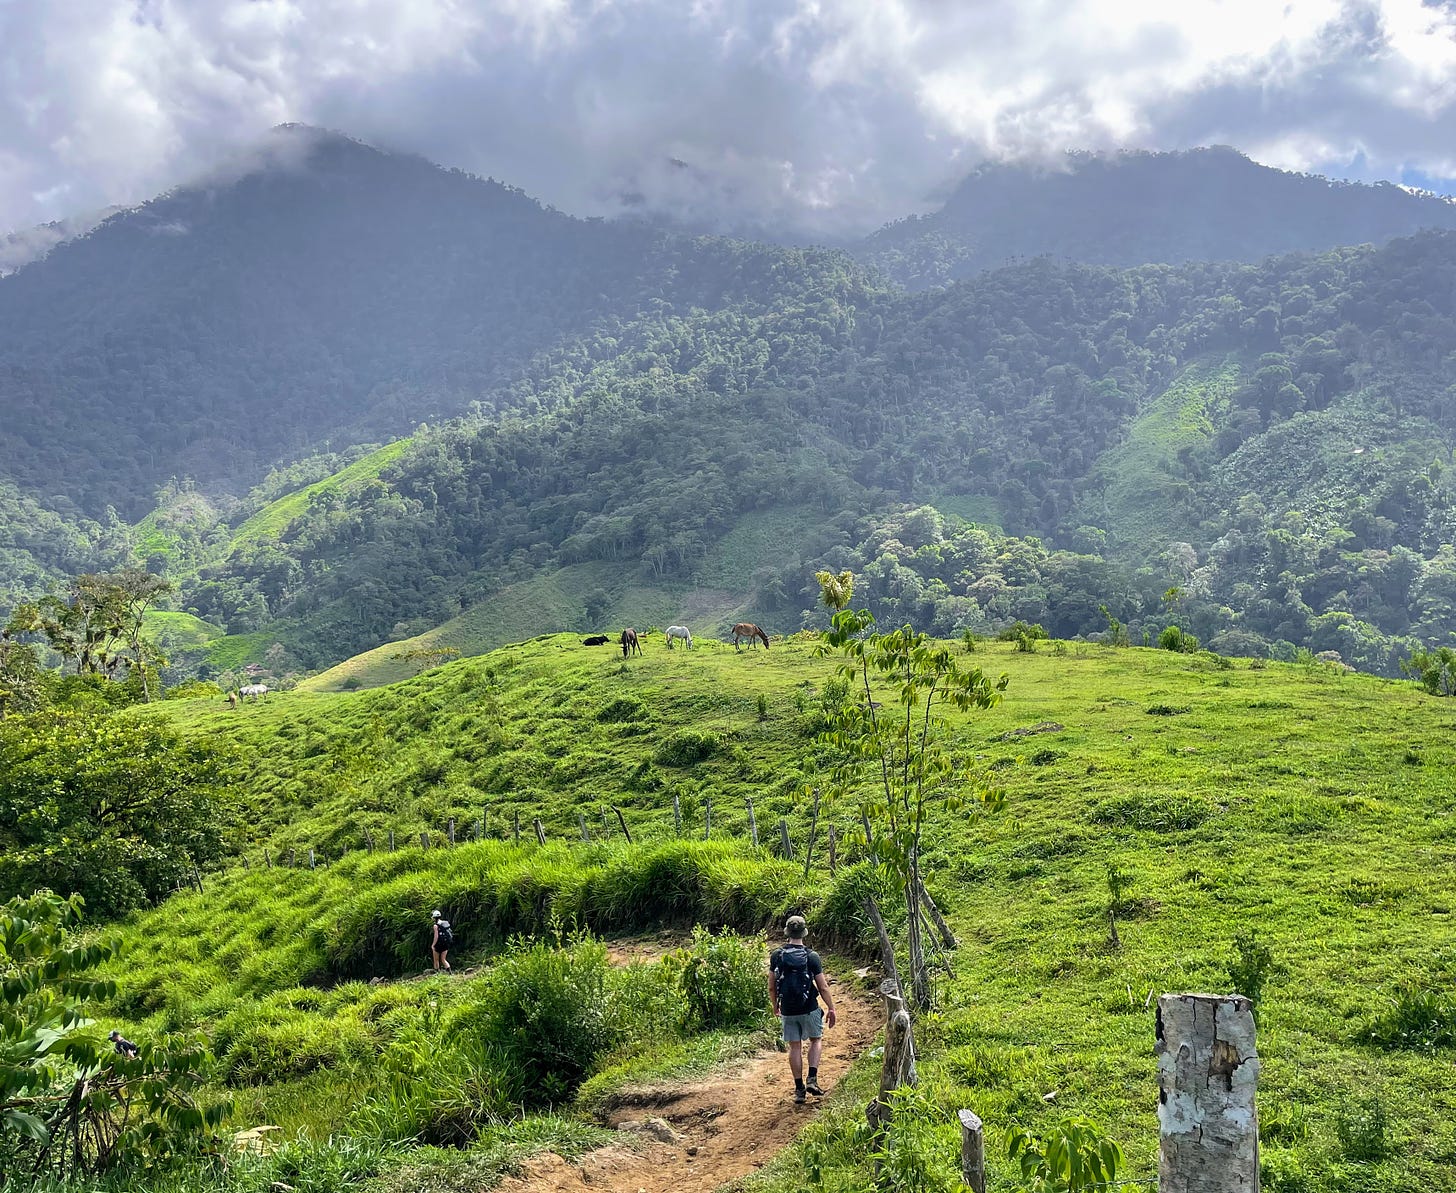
x=728 y=1123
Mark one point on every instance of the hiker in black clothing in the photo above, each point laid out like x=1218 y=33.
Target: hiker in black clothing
x=122 y=1045
x=442 y=936
x=795 y=982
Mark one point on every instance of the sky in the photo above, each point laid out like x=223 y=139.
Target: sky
x=825 y=115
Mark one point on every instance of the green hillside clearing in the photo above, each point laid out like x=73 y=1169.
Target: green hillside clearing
x=272 y=520
x=1306 y=804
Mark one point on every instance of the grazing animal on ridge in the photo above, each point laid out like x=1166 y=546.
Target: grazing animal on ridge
x=630 y=642
x=679 y=631
x=595 y=640
x=746 y=629
x=256 y=690
x=232 y=699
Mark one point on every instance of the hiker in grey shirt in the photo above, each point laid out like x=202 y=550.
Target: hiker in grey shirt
x=795 y=982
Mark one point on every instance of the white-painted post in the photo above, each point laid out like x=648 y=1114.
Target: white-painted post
x=1208 y=1070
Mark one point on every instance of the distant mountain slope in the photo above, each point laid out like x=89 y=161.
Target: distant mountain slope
x=324 y=291
x=1144 y=208
x=1132 y=433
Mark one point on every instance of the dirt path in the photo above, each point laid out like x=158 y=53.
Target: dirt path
x=728 y=1124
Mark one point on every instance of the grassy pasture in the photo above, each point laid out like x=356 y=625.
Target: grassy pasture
x=1309 y=805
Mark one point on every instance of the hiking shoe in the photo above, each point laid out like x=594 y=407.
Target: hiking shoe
x=799 y=1095
x=813 y=1088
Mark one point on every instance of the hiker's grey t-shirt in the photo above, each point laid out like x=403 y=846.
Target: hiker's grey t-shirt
x=816 y=967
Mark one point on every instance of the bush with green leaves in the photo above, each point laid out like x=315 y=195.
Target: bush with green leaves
x=916 y=1152
x=1362 y=1126
x=117 y=809
x=1434 y=670
x=1177 y=639
x=1251 y=966
x=543 y=1020
x=687 y=747
x=1073 y=1156
x=722 y=983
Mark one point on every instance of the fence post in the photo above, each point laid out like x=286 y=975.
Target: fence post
x=752 y=823
x=973 y=1151
x=540 y=830
x=813 y=829
x=451 y=829
x=292 y=858
x=676 y=814
x=581 y=821
x=368 y=841
x=480 y=829
x=312 y=863
x=707 y=816
x=267 y=859
x=197 y=878
x=391 y=840
x=516 y=825
x=784 y=842
x=942 y=929
x=869 y=838
x=622 y=821
x=833 y=850
x=424 y=840
x=899 y=1063
x=245 y=862
x=1208 y=1070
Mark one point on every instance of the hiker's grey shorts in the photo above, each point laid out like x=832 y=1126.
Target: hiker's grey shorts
x=803 y=1027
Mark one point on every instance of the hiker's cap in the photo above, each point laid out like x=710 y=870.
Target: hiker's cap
x=436 y=913
x=114 y=1034
x=796 y=926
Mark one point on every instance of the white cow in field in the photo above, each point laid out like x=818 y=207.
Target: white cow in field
x=256 y=690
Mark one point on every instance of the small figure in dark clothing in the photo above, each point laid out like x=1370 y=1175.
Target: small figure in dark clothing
x=442 y=936
x=122 y=1045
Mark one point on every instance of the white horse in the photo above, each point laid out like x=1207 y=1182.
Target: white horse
x=679 y=631
x=256 y=690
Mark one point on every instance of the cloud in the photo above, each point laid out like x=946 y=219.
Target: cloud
x=831 y=115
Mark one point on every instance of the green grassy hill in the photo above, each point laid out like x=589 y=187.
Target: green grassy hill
x=1302 y=803
x=272 y=520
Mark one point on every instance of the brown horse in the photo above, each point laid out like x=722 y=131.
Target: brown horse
x=629 y=642
x=746 y=629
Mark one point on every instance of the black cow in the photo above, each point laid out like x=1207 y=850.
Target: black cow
x=596 y=640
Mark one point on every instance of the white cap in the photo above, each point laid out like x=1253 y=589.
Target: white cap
x=436 y=913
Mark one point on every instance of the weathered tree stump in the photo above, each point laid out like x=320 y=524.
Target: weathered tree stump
x=898 y=1067
x=1208 y=1069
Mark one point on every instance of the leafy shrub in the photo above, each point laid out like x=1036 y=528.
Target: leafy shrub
x=1019 y=630
x=1159 y=813
x=1175 y=639
x=1250 y=968
x=1361 y=1127
x=915 y=1154
x=543 y=1020
x=1434 y=670
x=1419 y=1018
x=1167 y=710
x=722 y=982
x=1073 y=1157
x=687 y=747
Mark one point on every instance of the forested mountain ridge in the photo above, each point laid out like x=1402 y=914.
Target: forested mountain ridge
x=1143 y=208
x=1268 y=444
x=324 y=293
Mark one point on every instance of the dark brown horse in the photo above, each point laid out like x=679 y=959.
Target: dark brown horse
x=629 y=642
x=746 y=629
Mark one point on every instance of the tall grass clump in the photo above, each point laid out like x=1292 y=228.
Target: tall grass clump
x=1418 y=1018
x=723 y=982
x=543 y=1020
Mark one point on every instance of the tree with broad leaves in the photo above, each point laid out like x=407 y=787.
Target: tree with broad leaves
x=892 y=751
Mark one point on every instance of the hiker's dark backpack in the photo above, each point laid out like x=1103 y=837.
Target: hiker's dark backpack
x=447 y=935
x=794 y=983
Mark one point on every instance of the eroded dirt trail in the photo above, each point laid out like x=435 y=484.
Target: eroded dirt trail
x=729 y=1123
